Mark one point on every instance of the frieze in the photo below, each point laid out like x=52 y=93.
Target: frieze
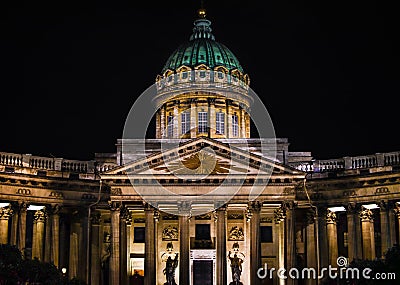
x=116 y=191
x=23 y=191
x=289 y=191
x=349 y=193
x=139 y=220
x=170 y=233
x=236 y=233
x=235 y=216
x=203 y=217
x=87 y=197
x=266 y=220
x=169 y=217
x=56 y=194
x=382 y=190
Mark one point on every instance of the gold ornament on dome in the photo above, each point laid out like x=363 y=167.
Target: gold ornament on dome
x=200 y=163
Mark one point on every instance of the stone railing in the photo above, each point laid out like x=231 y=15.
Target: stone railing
x=46 y=163
x=348 y=162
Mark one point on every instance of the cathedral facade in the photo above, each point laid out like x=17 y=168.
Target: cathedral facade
x=109 y=221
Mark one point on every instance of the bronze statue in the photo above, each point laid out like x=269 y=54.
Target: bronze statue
x=169 y=270
x=236 y=268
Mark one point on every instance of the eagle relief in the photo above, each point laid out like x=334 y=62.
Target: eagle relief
x=170 y=233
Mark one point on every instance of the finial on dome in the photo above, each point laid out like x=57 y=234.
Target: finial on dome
x=202 y=11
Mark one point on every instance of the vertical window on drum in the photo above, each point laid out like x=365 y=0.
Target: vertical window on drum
x=170 y=126
x=235 y=126
x=203 y=122
x=220 y=123
x=185 y=122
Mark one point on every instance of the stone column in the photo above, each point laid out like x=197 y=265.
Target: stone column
x=332 y=237
x=176 y=120
x=5 y=214
x=149 y=247
x=290 y=237
x=212 y=120
x=221 y=246
x=55 y=236
x=193 y=118
x=115 y=208
x=228 y=120
x=385 y=230
x=311 y=249
x=184 y=270
x=95 y=262
x=279 y=217
x=392 y=223
x=128 y=246
x=352 y=234
x=22 y=226
x=38 y=234
x=397 y=214
x=14 y=225
x=124 y=244
x=47 y=239
x=162 y=122
x=243 y=124
x=255 y=247
x=367 y=227
x=323 y=238
x=74 y=245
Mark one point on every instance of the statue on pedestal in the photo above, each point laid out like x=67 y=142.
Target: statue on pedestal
x=236 y=258
x=171 y=263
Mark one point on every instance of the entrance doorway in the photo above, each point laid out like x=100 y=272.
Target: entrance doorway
x=202 y=272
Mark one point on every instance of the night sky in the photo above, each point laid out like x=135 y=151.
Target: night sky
x=328 y=71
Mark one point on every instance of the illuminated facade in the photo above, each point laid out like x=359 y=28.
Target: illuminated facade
x=89 y=216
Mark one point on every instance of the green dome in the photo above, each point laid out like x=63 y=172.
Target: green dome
x=202 y=49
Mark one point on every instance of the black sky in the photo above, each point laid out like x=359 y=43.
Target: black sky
x=328 y=71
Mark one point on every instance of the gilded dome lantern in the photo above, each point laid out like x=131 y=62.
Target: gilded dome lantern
x=202 y=90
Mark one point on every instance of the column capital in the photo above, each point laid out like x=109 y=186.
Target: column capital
x=330 y=217
x=115 y=205
x=95 y=218
x=6 y=213
x=353 y=208
x=366 y=215
x=39 y=216
x=309 y=217
x=255 y=206
x=23 y=206
x=279 y=214
x=184 y=208
x=289 y=205
x=53 y=209
x=396 y=209
x=383 y=205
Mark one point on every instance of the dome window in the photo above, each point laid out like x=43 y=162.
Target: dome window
x=235 y=125
x=202 y=56
x=220 y=75
x=220 y=123
x=184 y=75
x=185 y=123
x=203 y=122
x=202 y=74
x=170 y=126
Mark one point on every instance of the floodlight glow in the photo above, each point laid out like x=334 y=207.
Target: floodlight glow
x=35 y=207
x=371 y=206
x=337 y=209
x=3 y=205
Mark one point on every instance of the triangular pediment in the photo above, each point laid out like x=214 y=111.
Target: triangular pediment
x=204 y=156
